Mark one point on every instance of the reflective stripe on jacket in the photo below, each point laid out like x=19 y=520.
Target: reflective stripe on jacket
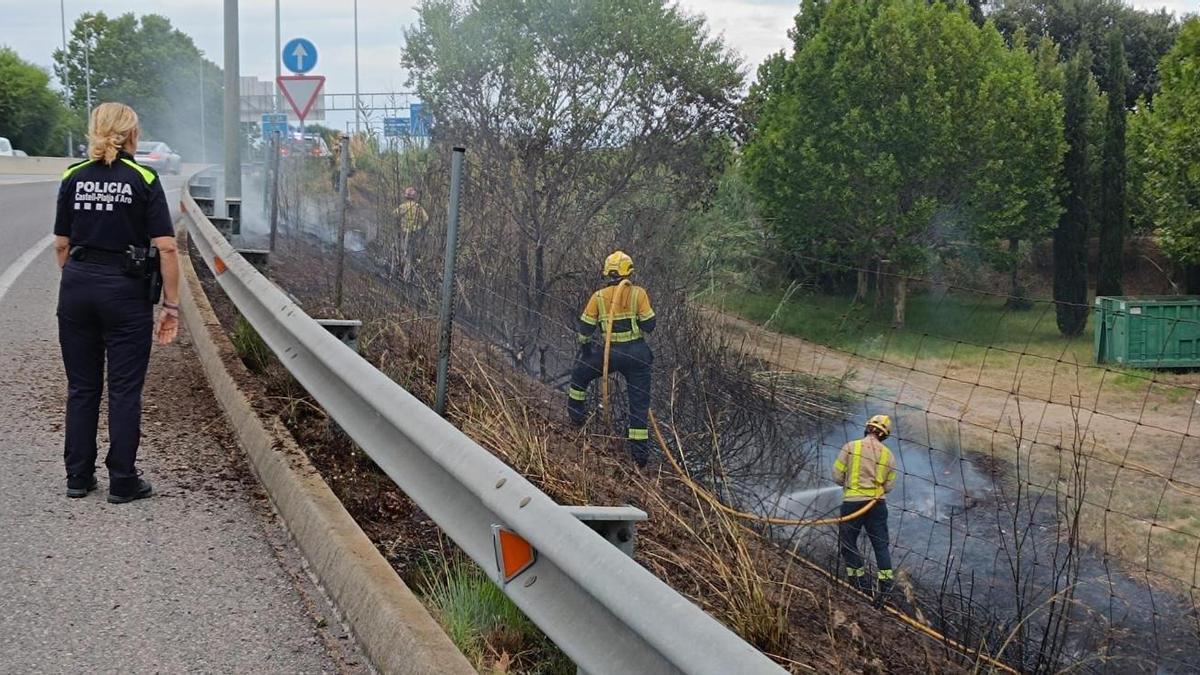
x=627 y=306
x=866 y=469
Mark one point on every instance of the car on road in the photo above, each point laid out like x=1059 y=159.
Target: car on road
x=6 y=148
x=158 y=156
x=19 y=153
x=311 y=145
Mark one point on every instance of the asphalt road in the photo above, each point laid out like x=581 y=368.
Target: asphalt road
x=200 y=578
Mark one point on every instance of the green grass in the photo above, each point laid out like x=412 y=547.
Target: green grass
x=484 y=624
x=250 y=346
x=936 y=326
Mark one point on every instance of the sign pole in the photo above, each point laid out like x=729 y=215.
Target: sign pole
x=233 y=141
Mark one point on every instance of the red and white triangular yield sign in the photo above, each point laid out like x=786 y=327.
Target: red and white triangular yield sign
x=301 y=91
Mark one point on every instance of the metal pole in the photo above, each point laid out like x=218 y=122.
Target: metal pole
x=232 y=136
x=203 y=136
x=62 y=8
x=278 y=58
x=343 y=195
x=357 y=102
x=87 y=66
x=447 y=312
x=274 y=188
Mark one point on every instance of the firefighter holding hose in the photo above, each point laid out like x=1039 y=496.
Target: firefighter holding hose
x=866 y=469
x=622 y=310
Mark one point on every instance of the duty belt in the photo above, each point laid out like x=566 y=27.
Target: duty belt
x=98 y=256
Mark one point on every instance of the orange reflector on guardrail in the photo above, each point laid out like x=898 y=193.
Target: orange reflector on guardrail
x=218 y=264
x=513 y=554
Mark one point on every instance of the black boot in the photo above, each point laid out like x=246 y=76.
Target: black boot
x=885 y=592
x=641 y=452
x=81 y=486
x=124 y=490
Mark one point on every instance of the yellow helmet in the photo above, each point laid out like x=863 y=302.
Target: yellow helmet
x=881 y=424
x=619 y=263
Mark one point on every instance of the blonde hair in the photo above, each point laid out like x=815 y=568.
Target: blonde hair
x=110 y=128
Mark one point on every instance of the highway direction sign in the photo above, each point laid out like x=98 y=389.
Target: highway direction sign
x=273 y=122
x=394 y=127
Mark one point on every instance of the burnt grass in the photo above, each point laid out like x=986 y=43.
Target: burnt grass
x=788 y=608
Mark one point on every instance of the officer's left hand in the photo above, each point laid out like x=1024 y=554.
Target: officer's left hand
x=166 y=327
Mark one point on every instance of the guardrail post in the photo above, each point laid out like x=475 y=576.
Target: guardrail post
x=233 y=209
x=447 y=311
x=617 y=524
x=345 y=330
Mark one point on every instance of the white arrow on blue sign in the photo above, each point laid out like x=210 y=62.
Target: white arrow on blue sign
x=299 y=56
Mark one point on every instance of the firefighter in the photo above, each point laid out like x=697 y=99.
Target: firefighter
x=866 y=469
x=627 y=308
x=412 y=219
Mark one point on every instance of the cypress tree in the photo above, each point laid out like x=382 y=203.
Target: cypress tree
x=1070 y=237
x=1113 y=209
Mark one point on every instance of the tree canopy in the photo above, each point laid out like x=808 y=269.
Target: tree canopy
x=1167 y=135
x=31 y=114
x=1146 y=35
x=599 y=118
x=902 y=125
x=147 y=63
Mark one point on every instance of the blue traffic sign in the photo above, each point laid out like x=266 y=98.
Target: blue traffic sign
x=299 y=55
x=274 y=122
x=395 y=127
x=418 y=120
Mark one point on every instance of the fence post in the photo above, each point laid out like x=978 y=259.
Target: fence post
x=343 y=195
x=275 y=147
x=447 y=312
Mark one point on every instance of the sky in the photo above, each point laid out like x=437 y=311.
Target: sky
x=752 y=28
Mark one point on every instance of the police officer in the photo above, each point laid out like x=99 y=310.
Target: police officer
x=624 y=309
x=111 y=210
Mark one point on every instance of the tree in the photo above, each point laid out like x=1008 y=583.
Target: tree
x=1113 y=210
x=31 y=114
x=1171 y=170
x=148 y=64
x=1147 y=35
x=593 y=120
x=896 y=115
x=1070 y=238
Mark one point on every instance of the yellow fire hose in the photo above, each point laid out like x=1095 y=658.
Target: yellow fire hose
x=696 y=487
x=745 y=515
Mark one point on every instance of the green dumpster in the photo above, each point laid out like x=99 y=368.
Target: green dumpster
x=1150 y=331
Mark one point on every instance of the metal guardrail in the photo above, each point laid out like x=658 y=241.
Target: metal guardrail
x=609 y=614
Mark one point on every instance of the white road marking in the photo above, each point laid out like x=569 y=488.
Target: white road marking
x=14 y=270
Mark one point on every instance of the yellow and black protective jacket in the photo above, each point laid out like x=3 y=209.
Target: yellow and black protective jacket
x=626 y=305
x=866 y=469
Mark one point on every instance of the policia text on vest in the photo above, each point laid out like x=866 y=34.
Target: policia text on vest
x=624 y=309
x=116 y=246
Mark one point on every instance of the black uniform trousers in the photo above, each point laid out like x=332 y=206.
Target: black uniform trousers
x=875 y=522
x=103 y=315
x=633 y=360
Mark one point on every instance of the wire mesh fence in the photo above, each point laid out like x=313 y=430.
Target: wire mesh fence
x=1046 y=506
